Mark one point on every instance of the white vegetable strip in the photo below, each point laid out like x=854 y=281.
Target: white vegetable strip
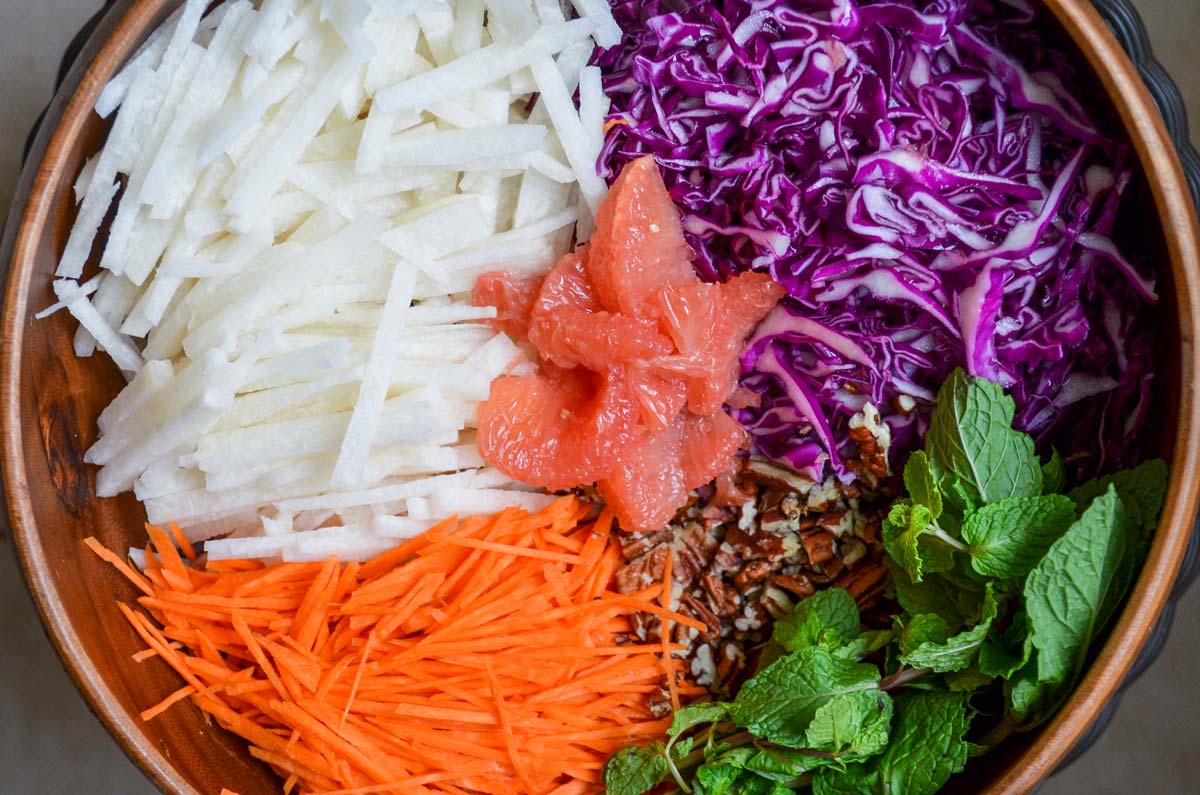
x=360 y=432
x=270 y=172
x=117 y=346
x=147 y=58
x=608 y=32
x=570 y=131
x=478 y=69
x=230 y=122
x=468 y=502
x=85 y=289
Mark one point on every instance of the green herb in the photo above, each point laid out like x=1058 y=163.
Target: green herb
x=635 y=770
x=1065 y=591
x=779 y=703
x=1009 y=537
x=1003 y=584
x=828 y=617
x=921 y=483
x=971 y=436
x=945 y=653
x=1054 y=474
x=852 y=726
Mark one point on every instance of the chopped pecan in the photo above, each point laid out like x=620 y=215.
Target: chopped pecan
x=754 y=571
x=798 y=584
x=643 y=571
x=698 y=609
x=698 y=543
x=832 y=520
x=771 y=514
x=727 y=559
x=818 y=544
x=853 y=550
x=659 y=703
x=790 y=505
x=776 y=602
x=726 y=602
x=863 y=579
x=635 y=544
x=755 y=543
x=833 y=567
x=765 y=472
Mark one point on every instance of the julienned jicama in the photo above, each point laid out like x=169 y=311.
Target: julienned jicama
x=381 y=274
x=287 y=277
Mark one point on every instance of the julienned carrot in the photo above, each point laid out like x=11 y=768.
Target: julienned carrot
x=486 y=656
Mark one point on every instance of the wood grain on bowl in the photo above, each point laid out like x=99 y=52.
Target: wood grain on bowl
x=49 y=402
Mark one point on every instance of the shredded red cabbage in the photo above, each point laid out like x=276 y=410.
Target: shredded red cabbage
x=924 y=183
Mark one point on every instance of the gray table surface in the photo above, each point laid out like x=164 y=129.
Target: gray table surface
x=51 y=745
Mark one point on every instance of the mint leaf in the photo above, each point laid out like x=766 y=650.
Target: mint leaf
x=853 y=726
x=971 y=435
x=635 y=770
x=921 y=485
x=813 y=619
x=968 y=680
x=1010 y=652
x=728 y=777
x=779 y=703
x=1143 y=487
x=957 y=501
x=1065 y=591
x=865 y=644
x=903 y=532
x=938 y=595
x=718 y=779
x=1054 y=475
x=927 y=744
x=854 y=780
x=921 y=628
x=1009 y=537
x=944 y=654
x=695 y=714
x=1026 y=696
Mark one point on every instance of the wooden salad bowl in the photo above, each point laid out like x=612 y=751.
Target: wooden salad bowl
x=51 y=399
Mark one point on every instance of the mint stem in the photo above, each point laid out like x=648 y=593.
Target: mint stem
x=902 y=677
x=949 y=540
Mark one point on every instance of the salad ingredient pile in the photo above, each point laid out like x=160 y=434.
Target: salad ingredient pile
x=637 y=358
x=304 y=195
x=488 y=655
x=928 y=200
x=1004 y=583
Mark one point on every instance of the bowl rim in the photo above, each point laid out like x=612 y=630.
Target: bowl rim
x=115 y=38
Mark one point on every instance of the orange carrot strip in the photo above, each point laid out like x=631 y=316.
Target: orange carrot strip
x=509 y=549
x=181 y=541
x=120 y=565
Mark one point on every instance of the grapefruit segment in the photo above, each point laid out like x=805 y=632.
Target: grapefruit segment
x=647 y=486
x=709 y=444
x=745 y=300
x=638 y=246
x=572 y=337
x=512 y=295
x=659 y=398
x=556 y=429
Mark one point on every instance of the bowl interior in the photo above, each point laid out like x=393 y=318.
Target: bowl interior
x=53 y=400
